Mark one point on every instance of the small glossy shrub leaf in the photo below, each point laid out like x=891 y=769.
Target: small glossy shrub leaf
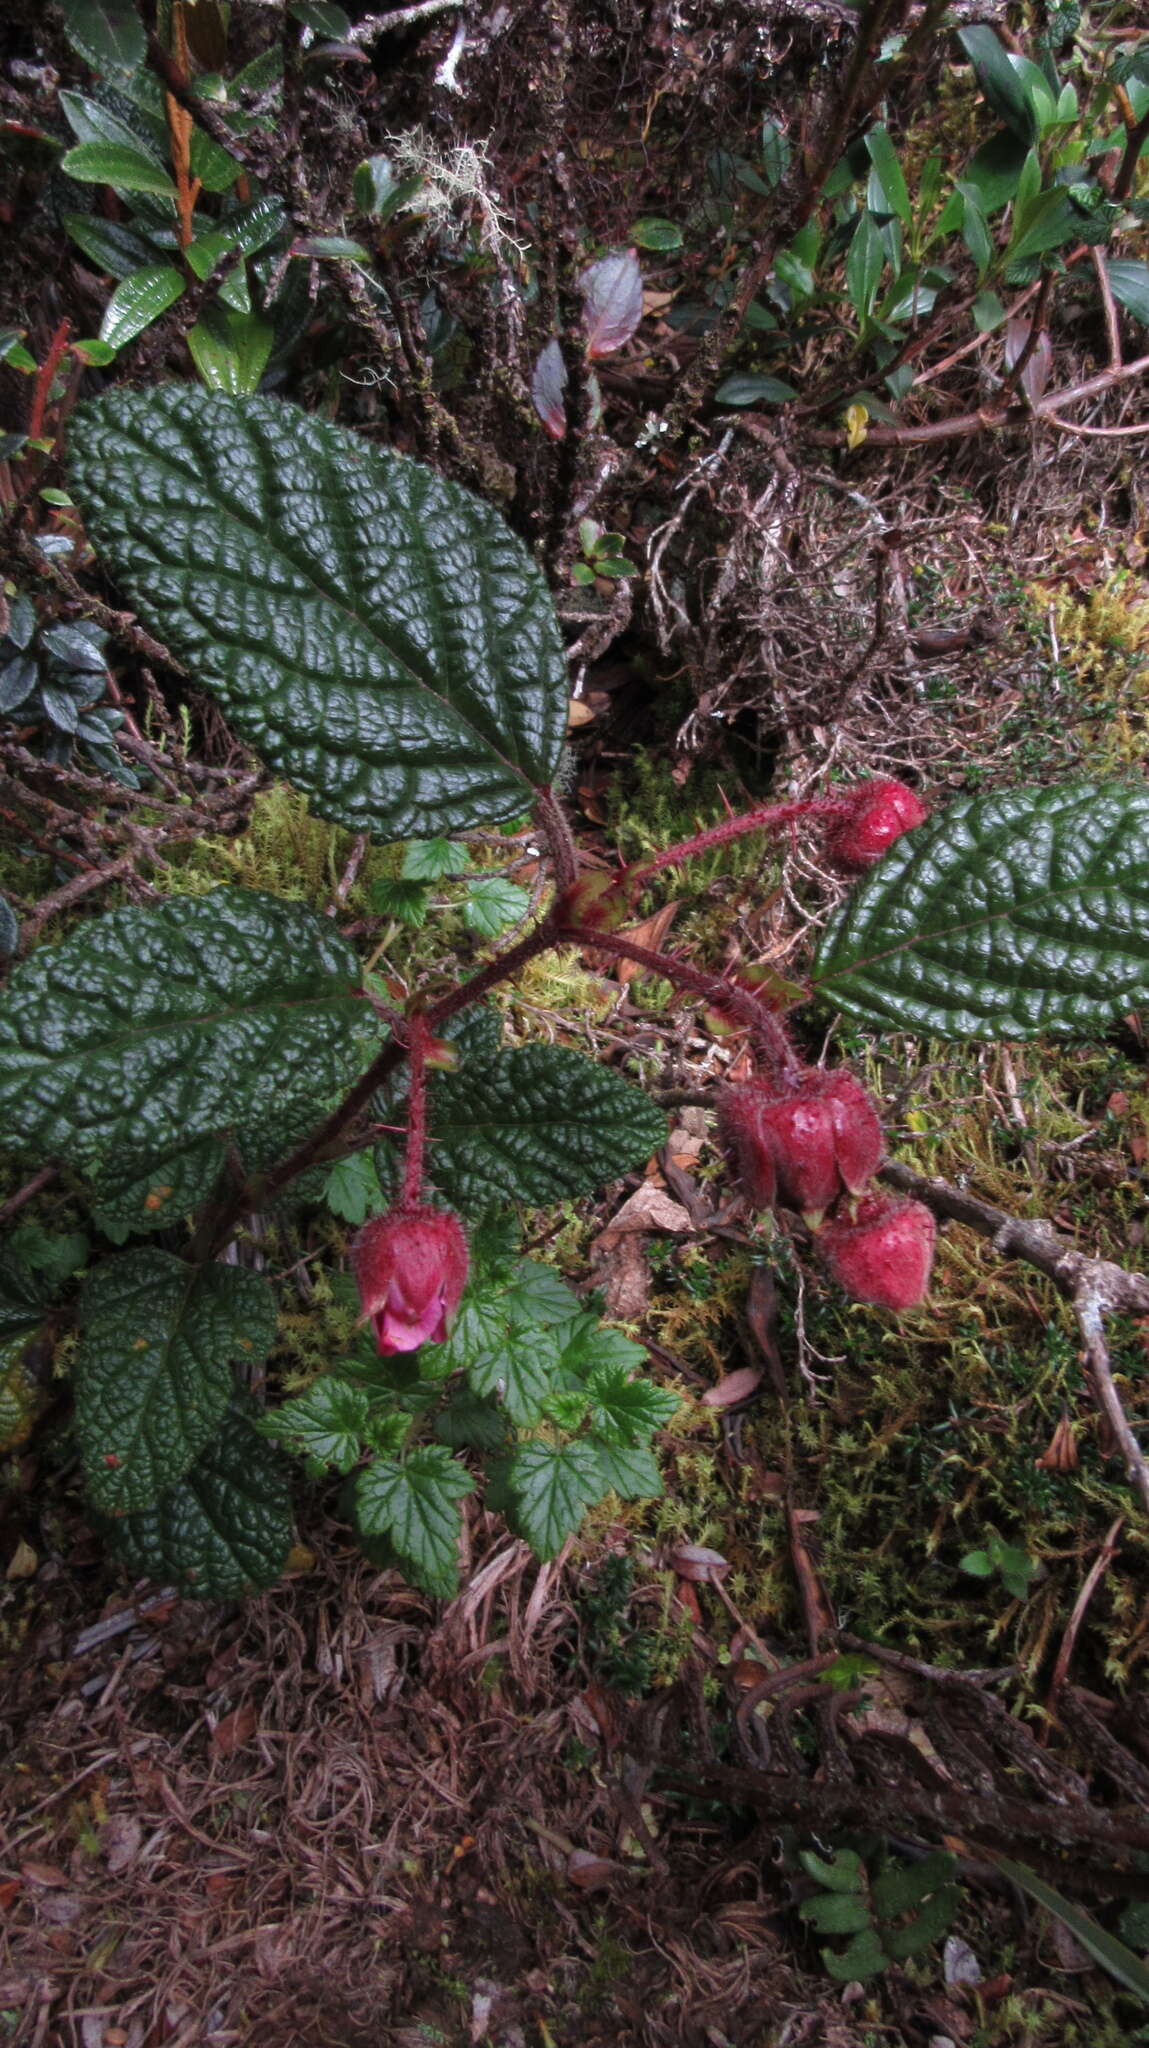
x=147 y=1031
x=115 y=163
x=230 y=350
x=378 y=635
x=1003 y=917
x=108 y=34
x=139 y=300
x=154 y=1371
x=224 y=1528
x=552 y=1486
x=415 y=1505
x=538 y=1123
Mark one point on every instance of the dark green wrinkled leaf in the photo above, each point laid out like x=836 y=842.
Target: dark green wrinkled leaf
x=1003 y=917
x=134 y=1195
x=109 y=244
x=147 y=1031
x=224 y=1529
x=537 y=1124
x=154 y=1371
x=377 y=634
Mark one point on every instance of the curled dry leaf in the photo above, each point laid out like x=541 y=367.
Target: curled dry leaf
x=591 y=1872
x=649 y=1208
x=698 y=1565
x=734 y=1389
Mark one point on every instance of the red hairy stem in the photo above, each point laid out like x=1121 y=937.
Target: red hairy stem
x=45 y=377
x=768 y=1034
x=218 y=1229
x=765 y=818
x=418 y=1035
x=552 y=820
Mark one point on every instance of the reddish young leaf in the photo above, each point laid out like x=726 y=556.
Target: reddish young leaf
x=612 y=302
x=548 y=382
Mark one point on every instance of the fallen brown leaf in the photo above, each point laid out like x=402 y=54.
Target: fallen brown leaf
x=734 y=1389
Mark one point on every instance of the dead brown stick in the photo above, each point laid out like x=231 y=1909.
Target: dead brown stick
x=1097 y=1571
x=30 y=1189
x=1095 y=1288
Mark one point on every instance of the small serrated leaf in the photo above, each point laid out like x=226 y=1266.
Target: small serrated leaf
x=552 y=1486
x=415 y=1505
x=428 y=860
x=329 y=1422
x=492 y=903
x=1003 y=917
x=624 y=1410
x=154 y=1369
x=519 y=1369
x=352 y=1188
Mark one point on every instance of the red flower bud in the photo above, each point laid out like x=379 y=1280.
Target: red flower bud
x=885 y=1255
x=410 y=1267
x=879 y=813
x=805 y=1148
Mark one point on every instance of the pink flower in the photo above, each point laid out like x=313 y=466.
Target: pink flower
x=879 y=813
x=410 y=1267
x=805 y=1148
x=885 y=1255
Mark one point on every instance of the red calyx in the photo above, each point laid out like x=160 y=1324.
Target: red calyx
x=885 y=1255
x=805 y=1148
x=410 y=1267
x=879 y=812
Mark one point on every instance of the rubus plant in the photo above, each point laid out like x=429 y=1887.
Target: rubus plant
x=382 y=639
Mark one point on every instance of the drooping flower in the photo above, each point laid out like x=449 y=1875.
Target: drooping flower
x=885 y=1255
x=804 y=1148
x=879 y=812
x=410 y=1267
